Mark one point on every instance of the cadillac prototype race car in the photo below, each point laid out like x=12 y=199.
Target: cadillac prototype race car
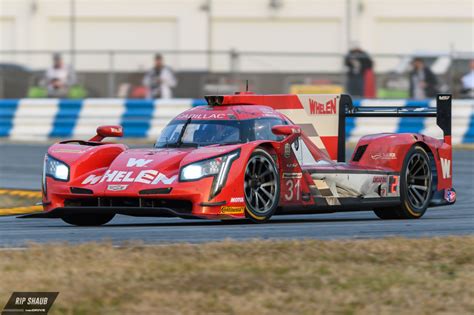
x=254 y=156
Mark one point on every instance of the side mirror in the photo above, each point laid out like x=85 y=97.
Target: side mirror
x=107 y=131
x=286 y=130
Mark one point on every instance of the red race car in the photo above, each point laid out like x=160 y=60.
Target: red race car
x=254 y=156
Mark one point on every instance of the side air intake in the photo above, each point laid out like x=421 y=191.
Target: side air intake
x=359 y=152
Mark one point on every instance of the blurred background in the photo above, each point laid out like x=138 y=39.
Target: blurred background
x=107 y=47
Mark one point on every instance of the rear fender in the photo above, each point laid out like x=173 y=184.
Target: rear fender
x=388 y=151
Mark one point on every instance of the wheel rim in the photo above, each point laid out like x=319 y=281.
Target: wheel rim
x=418 y=179
x=260 y=184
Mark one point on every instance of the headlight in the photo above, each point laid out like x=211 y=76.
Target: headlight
x=202 y=169
x=218 y=167
x=55 y=169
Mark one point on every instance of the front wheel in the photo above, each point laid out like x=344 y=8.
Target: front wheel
x=261 y=186
x=88 y=219
x=416 y=187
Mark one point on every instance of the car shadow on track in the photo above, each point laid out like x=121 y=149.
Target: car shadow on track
x=239 y=222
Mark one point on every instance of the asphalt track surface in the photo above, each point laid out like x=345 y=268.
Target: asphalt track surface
x=21 y=164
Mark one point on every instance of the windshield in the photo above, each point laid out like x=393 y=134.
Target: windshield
x=208 y=132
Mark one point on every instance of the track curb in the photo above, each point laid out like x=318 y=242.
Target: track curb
x=20 y=193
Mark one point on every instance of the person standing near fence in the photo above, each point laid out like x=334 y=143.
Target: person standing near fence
x=423 y=82
x=467 y=82
x=160 y=80
x=59 y=78
x=360 y=76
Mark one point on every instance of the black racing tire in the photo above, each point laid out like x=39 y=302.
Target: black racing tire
x=416 y=187
x=88 y=219
x=261 y=187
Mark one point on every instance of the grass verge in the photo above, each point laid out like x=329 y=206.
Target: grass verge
x=388 y=276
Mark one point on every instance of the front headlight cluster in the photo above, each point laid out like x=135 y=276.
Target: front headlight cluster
x=218 y=167
x=202 y=169
x=55 y=169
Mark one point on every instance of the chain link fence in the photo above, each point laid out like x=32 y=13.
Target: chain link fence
x=118 y=73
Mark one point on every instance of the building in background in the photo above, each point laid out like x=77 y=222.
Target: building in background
x=292 y=41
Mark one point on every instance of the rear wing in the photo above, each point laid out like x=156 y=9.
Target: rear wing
x=442 y=113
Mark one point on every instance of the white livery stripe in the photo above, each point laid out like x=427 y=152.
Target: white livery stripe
x=96 y=112
x=34 y=118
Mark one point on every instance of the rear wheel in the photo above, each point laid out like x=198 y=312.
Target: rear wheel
x=261 y=186
x=416 y=187
x=88 y=219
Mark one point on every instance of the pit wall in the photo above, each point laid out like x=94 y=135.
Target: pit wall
x=40 y=119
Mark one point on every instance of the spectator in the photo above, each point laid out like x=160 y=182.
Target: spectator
x=160 y=80
x=359 y=66
x=423 y=82
x=468 y=82
x=59 y=78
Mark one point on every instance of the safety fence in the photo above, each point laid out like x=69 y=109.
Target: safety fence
x=40 y=119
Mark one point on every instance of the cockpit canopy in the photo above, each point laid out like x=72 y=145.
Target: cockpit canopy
x=210 y=132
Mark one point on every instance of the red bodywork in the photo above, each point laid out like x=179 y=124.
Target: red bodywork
x=146 y=182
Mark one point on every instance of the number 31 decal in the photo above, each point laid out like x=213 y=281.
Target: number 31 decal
x=293 y=189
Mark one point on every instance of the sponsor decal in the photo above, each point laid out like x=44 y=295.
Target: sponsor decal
x=450 y=195
x=237 y=199
x=316 y=108
x=117 y=187
x=393 y=182
x=287 y=149
x=291 y=165
x=232 y=210
x=444 y=97
x=152 y=177
x=133 y=162
x=201 y=116
x=446 y=168
x=379 y=179
x=30 y=302
x=292 y=175
x=384 y=156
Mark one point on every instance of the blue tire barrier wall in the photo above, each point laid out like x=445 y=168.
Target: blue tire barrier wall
x=40 y=119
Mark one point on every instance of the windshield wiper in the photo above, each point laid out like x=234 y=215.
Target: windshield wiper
x=179 y=141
